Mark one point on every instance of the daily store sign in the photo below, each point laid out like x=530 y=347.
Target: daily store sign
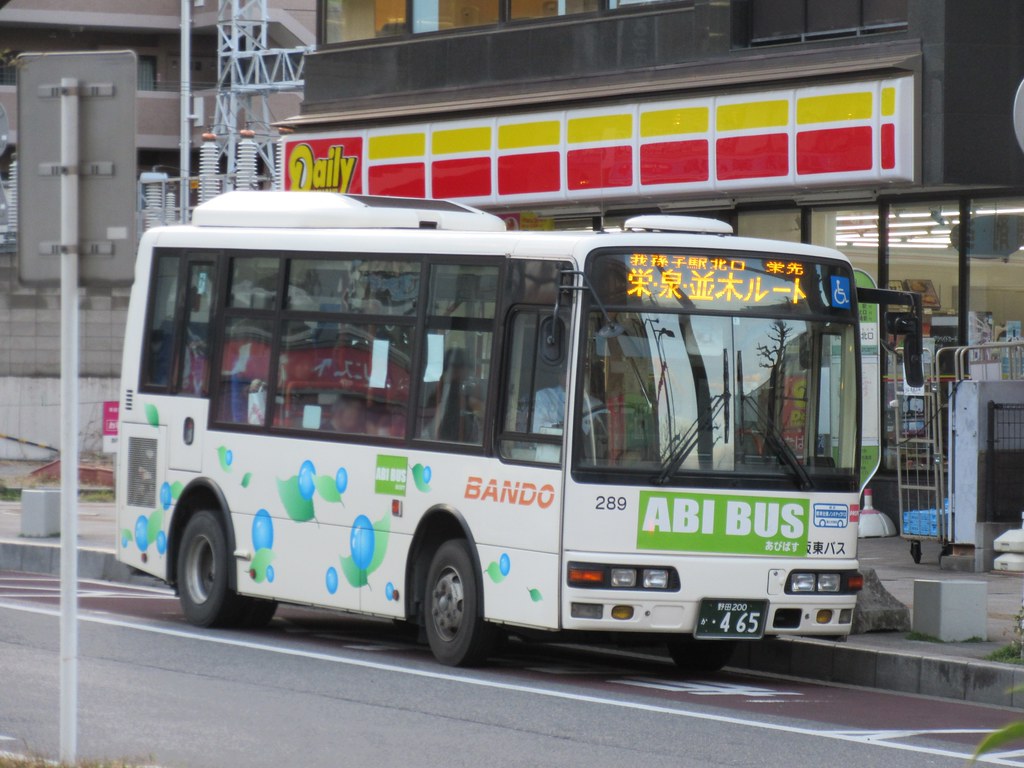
x=859 y=132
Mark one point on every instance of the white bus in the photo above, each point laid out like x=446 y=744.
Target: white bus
x=398 y=408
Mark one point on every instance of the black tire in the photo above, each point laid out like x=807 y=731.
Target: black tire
x=700 y=655
x=457 y=634
x=203 y=564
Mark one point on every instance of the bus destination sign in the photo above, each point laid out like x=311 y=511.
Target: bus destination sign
x=714 y=280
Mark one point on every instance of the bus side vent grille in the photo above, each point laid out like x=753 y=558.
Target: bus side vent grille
x=142 y=472
x=129 y=399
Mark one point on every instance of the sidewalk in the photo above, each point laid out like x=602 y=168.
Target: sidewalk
x=886 y=660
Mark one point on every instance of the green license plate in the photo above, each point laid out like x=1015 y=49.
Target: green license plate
x=721 y=617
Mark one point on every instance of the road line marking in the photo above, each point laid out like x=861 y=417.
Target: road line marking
x=464 y=679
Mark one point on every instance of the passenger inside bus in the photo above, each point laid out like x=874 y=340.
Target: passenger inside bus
x=455 y=402
x=348 y=415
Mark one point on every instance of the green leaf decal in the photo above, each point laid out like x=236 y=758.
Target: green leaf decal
x=258 y=569
x=223 y=458
x=536 y=596
x=246 y=479
x=327 y=487
x=494 y=571
x=353 y=575
x=176 y=488
x=152 y=415
x=126 y=536
x=156 y=521
x=419 y=478
x=299 y=509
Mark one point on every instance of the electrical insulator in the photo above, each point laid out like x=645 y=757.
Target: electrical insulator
x=209 y=179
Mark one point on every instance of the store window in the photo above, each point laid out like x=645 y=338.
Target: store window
x=774 y=225
x=346 y=20
x=996 y=296
x=854 y=231
x=539 y=9
x=435 y=15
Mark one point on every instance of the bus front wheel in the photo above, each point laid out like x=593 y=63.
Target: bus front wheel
x=457 y=634
x=206 y=598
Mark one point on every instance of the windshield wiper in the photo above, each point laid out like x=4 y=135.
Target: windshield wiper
x=682 y=445
x=775 y=439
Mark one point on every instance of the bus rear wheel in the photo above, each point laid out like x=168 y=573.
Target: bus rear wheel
x=206 y=598
x=457 y=634
x=700 y=655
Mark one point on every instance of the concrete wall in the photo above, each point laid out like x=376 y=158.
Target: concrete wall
x=30 y=347
x=30 y=415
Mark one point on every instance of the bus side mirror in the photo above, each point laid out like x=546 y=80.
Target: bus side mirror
x=909 y=327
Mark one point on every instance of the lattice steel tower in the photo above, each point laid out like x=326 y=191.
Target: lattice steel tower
x=248 y=72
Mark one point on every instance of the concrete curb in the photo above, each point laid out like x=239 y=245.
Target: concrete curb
x=971 y=680
x=33 y=557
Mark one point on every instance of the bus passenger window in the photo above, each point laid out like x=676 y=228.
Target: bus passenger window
x=157 y=372
x=245 y=364
x=453 y=402
x=195 y=368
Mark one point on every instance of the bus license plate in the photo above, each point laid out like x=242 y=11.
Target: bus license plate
x=742 y=619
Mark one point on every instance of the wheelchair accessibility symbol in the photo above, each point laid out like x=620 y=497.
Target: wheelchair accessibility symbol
x=840 y=292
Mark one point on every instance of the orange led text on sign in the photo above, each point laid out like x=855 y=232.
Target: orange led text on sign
x=704 y=278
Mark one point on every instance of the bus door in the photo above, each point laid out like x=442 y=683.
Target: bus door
x=192 y=364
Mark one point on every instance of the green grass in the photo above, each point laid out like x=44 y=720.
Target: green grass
x=931 y=639
x=88 y=494
x=1008 y=654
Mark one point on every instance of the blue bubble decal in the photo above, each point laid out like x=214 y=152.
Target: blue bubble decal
x=142 y=533
x=389 y=591
x=270 y=573
x=161 y=543
x=332 y=580
x=504 y=564
x=362 y=542
x=341 y=480
x=307 y=480
x=165 y=495
x=262 y=530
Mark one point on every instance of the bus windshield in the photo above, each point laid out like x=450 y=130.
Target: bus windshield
x=734 y=385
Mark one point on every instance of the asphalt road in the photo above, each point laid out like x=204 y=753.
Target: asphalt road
x=322 y=689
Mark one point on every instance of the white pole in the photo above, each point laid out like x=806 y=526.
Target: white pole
x=185 y=139
x=69 y=420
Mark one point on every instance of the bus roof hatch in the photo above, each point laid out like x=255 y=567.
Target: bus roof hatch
x=331 y=210
x=667 y=223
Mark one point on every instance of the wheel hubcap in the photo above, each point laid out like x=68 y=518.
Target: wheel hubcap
x=199 y=569
x=447 y=604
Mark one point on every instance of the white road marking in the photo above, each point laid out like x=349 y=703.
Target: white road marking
x=858 y=737
x=704 y=688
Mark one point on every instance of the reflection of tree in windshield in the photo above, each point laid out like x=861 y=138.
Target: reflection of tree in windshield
x=772 y=357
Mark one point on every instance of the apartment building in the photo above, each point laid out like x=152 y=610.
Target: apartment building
x=30 y=315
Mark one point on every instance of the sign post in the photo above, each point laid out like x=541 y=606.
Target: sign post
x=95 y=143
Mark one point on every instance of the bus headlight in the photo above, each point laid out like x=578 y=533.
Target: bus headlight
x=623 y=577
x=830 y=582
x=655 y=578
x=801 y=582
